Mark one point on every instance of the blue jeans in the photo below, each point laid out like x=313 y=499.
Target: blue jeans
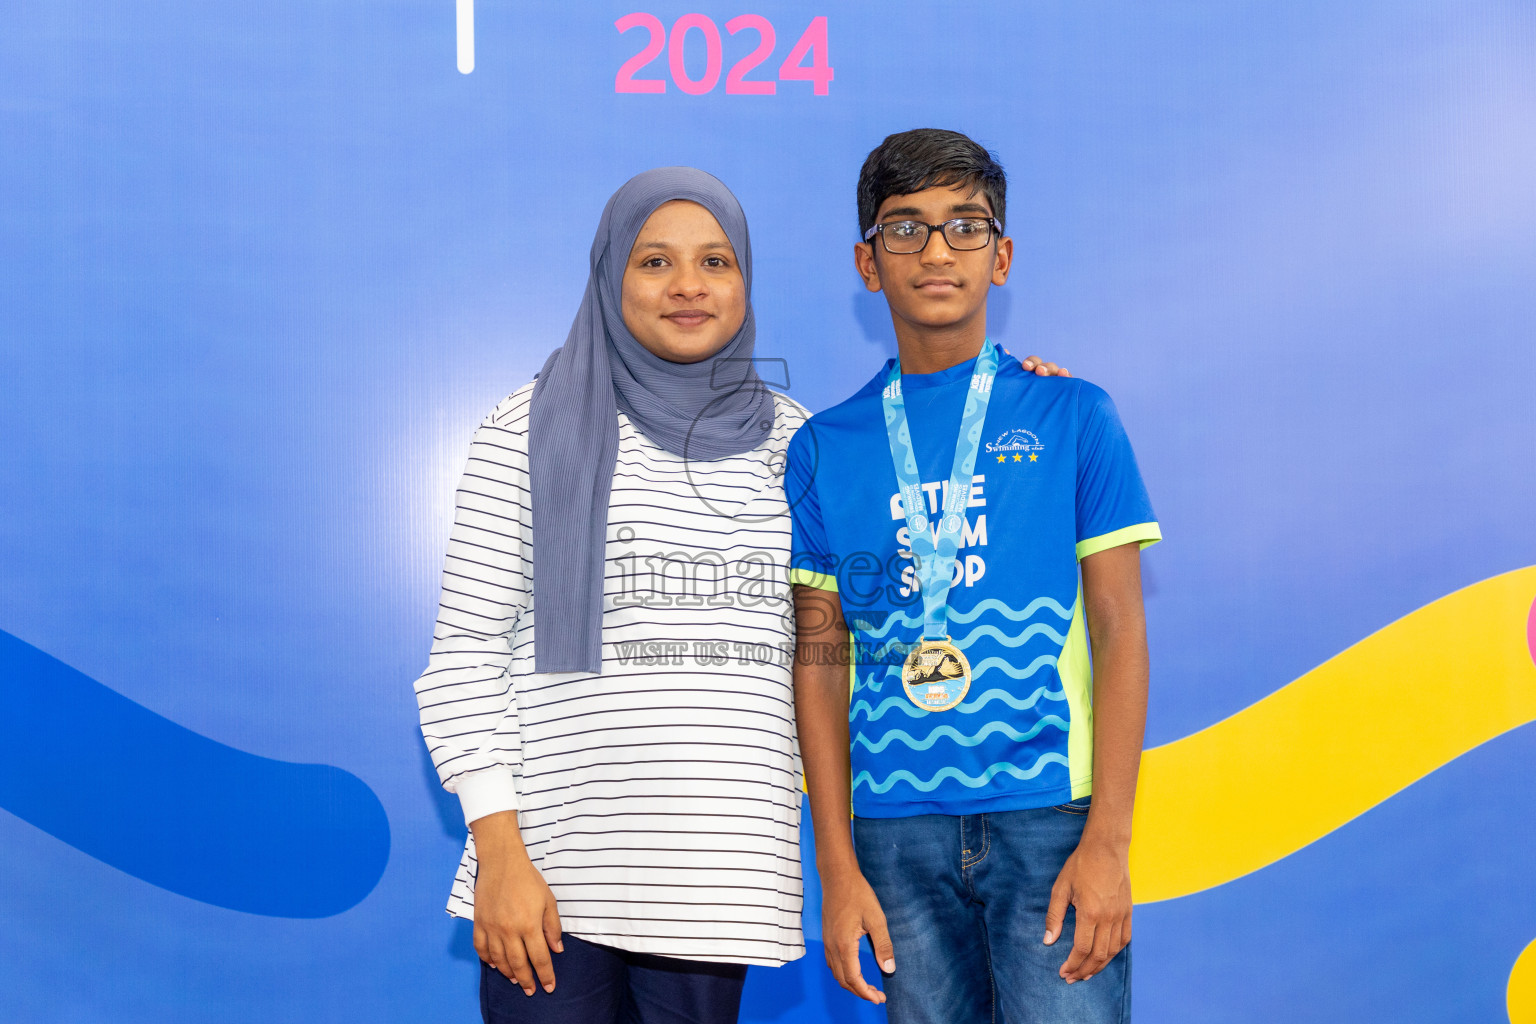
x=965 y=899
x=597 y=984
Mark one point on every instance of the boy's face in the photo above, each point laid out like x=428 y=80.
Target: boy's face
x=939 y=287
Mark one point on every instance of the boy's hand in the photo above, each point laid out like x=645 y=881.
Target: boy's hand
x=1043 y=368
x=1096 y=880
x=516 y=921
x=849 y=911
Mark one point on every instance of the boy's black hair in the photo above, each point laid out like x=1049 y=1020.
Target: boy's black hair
x=923 y=158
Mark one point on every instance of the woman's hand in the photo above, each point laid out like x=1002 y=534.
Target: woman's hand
x=516 y=921
x=1042 y=368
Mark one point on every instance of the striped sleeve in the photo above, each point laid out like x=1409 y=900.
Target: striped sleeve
x=466 y=697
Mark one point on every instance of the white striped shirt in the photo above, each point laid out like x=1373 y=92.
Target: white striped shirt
x=661 y=799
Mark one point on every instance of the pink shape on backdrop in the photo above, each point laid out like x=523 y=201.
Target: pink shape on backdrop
x=1530 y=631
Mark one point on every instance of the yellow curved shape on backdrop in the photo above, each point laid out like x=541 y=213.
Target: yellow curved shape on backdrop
x=1326 y=748
x=1520 y=998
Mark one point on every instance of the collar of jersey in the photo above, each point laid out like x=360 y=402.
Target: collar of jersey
x=917 y=381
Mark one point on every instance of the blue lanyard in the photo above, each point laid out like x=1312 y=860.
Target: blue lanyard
x=934 y=547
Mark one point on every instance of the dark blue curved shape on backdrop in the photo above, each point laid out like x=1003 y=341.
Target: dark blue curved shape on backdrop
x=176 y=809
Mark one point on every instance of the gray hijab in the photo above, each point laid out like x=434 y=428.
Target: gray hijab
x=706 y=410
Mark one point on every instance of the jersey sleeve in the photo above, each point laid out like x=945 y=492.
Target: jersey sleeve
x=1112 y=503
x=811 y=563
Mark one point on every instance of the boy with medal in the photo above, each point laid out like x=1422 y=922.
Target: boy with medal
x=976 y=548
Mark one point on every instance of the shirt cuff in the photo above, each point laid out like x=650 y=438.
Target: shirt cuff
x=819 y=580
x=487 y=791
x=1146 y=534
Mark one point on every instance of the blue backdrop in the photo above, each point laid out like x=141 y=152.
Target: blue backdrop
x=266 y=265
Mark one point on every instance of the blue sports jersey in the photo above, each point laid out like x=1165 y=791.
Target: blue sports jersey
x=1055 y=481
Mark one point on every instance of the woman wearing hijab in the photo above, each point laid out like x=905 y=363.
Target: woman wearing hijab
x=634 y=808
x=620 y=733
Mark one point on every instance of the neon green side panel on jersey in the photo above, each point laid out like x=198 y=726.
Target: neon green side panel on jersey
x=1075 y=670
x=1075 y=667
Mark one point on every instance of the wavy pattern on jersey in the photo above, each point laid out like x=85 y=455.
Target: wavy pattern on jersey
x=969 y=781
x=870 y=682
x=969 y=707
x=180 y=811
x=977 y=703
x=1408 y=699
x=1007 y=669
x=990 y=604
x=982 y=666
x=950 y=732
x=1038 y=629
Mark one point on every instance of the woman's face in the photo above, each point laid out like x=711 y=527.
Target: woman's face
x=684 y=297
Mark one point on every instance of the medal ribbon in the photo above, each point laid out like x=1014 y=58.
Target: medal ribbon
x=934 y=546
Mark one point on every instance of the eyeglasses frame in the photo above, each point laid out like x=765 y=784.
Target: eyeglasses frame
x=878 y=229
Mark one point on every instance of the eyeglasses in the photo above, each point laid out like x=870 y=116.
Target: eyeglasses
x=904 y=237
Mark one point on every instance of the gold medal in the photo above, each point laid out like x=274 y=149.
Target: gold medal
x=936 y=675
